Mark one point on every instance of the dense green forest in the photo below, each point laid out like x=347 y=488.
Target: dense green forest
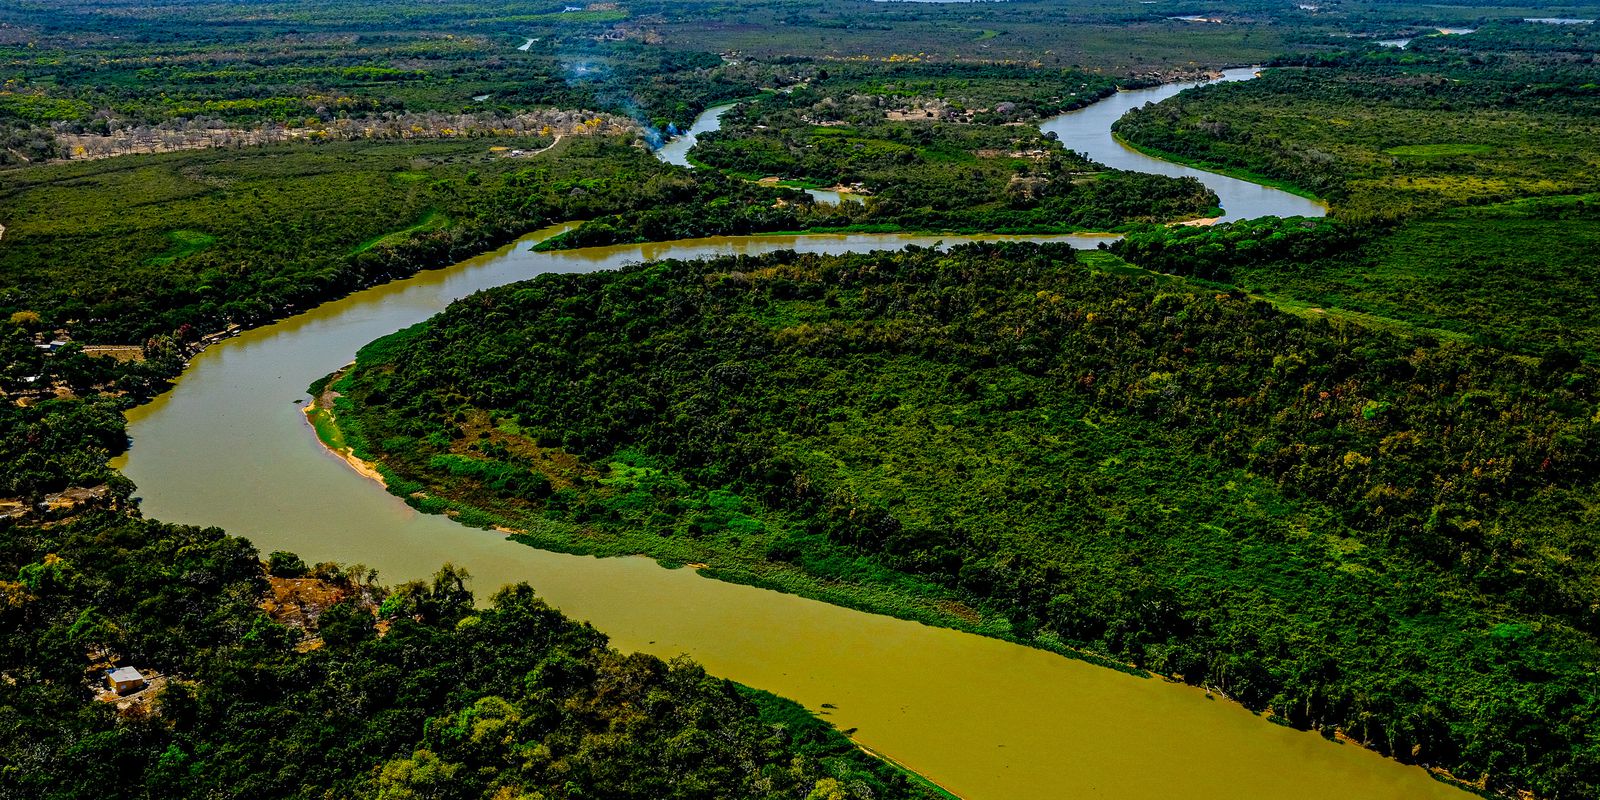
x=1519 y=276
x=1390 y=535
x=1463 y=171
x=59 y=444
x=1109 y=201
x=285 y=680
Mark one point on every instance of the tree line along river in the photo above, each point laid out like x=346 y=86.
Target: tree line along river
x=228 y=446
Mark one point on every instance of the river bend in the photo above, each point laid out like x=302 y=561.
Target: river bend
x=228 y=446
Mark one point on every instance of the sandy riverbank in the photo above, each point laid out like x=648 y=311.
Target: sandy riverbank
x=322 y=405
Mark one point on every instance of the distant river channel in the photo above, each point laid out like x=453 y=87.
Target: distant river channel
x=1088 y=130
x=989 y=720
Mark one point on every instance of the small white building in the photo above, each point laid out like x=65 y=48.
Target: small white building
x=125 y=680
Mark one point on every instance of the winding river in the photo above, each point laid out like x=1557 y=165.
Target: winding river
x=987 y=719
x=1088 y=130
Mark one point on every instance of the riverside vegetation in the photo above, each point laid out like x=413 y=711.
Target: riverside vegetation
x=409 y=691
x=246 y=233
x=207 y=239
x=1506 y=112
x=1381 y=534
x=240 y=237
x=370 y=692
x=1462 y=173
x=71 y=61
x=936 y=148
x=159 y=250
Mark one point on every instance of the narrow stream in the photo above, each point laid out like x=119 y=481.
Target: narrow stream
x=228 y=446
x=676 y=150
